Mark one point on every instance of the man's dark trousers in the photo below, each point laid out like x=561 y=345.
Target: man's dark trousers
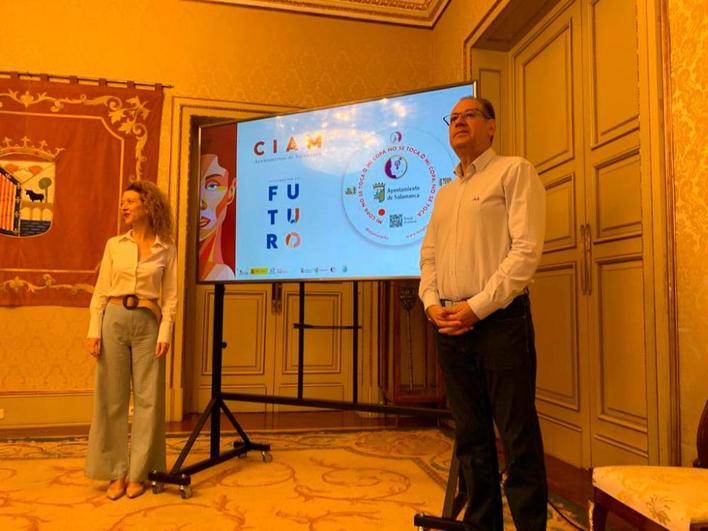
x=490 y=376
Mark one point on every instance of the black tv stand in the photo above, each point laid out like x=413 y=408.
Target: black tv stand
x=179 y=475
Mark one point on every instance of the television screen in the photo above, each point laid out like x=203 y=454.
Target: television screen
x=336 y=193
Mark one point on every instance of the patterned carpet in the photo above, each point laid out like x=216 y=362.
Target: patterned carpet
x=318 y=481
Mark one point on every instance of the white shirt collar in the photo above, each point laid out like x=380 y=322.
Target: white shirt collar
x=129 y=236
x=476 y=165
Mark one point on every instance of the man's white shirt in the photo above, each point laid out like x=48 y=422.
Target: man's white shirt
x=485 y=235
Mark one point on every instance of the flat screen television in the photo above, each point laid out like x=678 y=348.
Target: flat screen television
x=336 y=193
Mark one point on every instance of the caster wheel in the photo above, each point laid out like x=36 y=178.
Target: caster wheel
x=157 y=488
x=185 y=491
x=267 y=458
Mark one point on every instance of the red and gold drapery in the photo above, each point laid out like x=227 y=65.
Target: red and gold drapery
x=67 y=150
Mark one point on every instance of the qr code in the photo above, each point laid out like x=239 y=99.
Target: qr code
x=396 y=220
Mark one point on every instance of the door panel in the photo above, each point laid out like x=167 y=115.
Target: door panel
x=618 y=192
x=261 y=356
x=554 y=295
x=614 y=74
x=247 y=362
x=561 y=198
x=544 y=73
x=327 y=352
x=622 y=384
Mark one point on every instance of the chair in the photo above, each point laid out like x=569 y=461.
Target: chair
x=655 y=497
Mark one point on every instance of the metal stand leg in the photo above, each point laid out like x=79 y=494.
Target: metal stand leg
x=455 y=500
x=182 y=476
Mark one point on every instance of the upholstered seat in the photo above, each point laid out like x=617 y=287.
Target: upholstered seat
x=655 y=497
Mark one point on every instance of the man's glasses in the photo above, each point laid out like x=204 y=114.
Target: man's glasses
x=466 y=116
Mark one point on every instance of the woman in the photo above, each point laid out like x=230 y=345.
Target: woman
x=132 y=312
x=217 y=192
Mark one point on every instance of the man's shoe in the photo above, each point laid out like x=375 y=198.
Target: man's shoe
x=116 y=489
x=135 y=489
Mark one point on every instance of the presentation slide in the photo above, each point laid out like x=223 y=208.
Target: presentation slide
x=338 y=193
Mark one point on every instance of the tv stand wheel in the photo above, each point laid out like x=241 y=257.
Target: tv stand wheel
x=185 y=491
x=267 y=458
x=157 y=487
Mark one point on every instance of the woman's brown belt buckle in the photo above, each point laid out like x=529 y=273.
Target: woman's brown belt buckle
x=130 y=302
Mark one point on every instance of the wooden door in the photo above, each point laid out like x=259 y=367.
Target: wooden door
x=576 y=88
x=262 y=344
x=574 y=100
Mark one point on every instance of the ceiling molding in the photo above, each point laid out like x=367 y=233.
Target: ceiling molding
x=418 y=13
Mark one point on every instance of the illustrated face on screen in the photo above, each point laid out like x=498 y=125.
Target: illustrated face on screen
x=215 y=195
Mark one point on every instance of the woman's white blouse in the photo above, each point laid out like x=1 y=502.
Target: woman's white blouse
x=121 y=273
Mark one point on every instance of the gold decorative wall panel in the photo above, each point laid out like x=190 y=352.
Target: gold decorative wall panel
x=220 y=51
x=689 y=106
x=51 y=361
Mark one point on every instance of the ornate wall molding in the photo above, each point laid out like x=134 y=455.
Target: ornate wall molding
x=419 y=13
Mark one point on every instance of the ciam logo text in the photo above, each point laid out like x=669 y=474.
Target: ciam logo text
x=275 y=146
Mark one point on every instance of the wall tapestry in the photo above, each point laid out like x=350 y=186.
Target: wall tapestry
x=67 y=150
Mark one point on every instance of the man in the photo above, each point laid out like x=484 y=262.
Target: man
x=479 y=253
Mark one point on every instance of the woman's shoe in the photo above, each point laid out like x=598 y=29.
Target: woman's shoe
x=135 y=489
x=116 y=489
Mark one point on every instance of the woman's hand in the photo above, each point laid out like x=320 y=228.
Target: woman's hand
x=93 y=344
x=161 y=349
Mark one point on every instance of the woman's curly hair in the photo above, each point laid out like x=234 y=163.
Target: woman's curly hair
x=157 y=207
